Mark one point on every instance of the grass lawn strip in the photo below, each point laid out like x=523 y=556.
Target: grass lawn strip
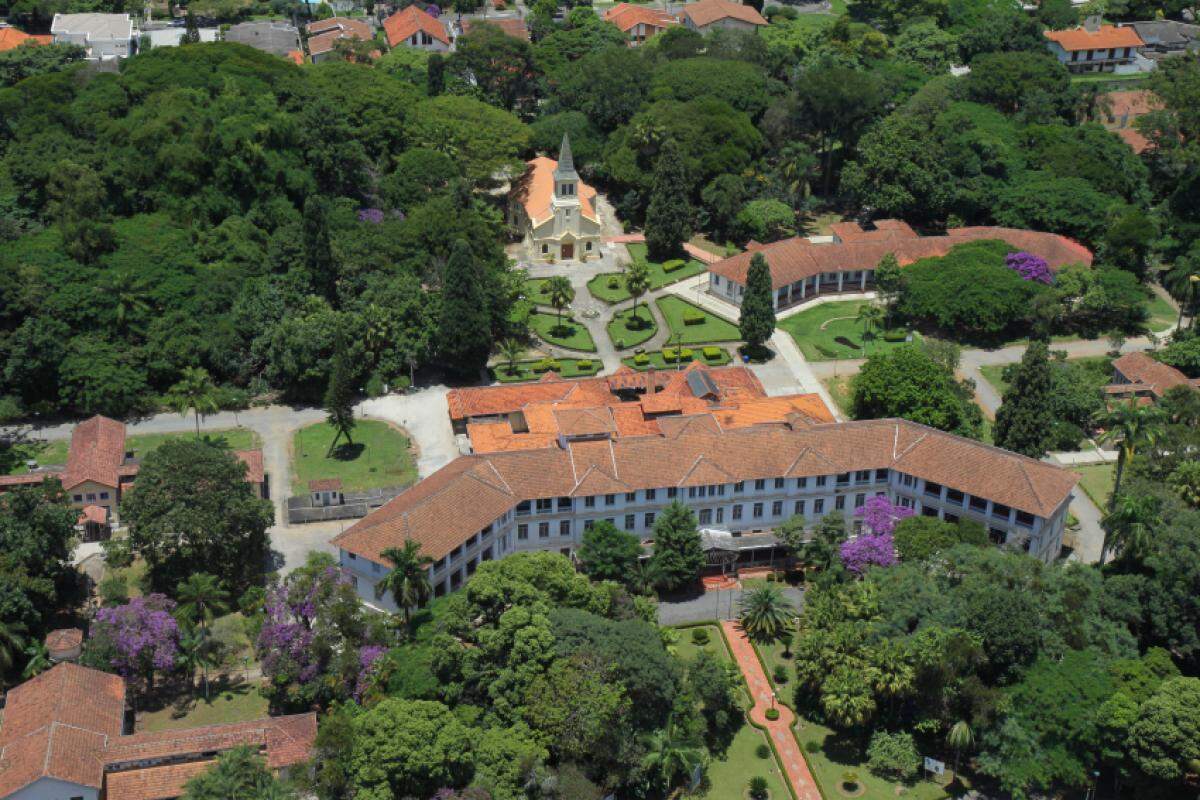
x=1162 y=314
x=567 y=368
x=712 y=329
x=573 y=336
x=831 y=331
x=623 y=336
x=55 y=451
x=841 y=391
x=1097 y=481
x=599 y=285
x=380 y=456
x=238 y=703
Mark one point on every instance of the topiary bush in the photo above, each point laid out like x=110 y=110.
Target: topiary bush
x=670 y=355
x=763 y=751
x=641 y=359
x=780 y=673
x=711 y=352
x=673 y=264
x=614 y=282
x=758 y=788
x=700 y=635
x=583 y=365
x=772 y=714
x=693 y=317
x=686 y=354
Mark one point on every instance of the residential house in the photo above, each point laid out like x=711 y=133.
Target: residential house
x=555 y=210
x=103 y=37
x=709 y=15
x=744 y=481
x=324 y=34
x=1093 y=47
x=413 y=27
x=1122 y=111
x=514 y=27
x=639 y=23
x=11 y=38
x=64 y=736
x=162 y=35
x=1166 y=38
x=278 y=37
x=1138 y=375
x=802 y=269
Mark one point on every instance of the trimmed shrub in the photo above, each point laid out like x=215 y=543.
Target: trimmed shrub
x=893 y=756
x=758 y=787
x=641 y=359
x=691 y=317
x=583 y=364
x=670 y=355
x=780 y=674
x=619 y=344
x=711 y=352
x=763 y=751
x=700 y=635
x=545 y=365
x=673 y=264
x=812 y=746
x=686 y=354
x=614 y=282
x=895 y=335
x=772 y=714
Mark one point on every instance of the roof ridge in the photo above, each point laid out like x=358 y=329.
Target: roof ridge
x=702 y=458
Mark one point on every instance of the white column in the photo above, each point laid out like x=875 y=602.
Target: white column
x=840 y=274
x=863 y=285
x=803 y=286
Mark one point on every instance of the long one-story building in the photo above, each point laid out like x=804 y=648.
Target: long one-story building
x=802 y=269
x=744 y=480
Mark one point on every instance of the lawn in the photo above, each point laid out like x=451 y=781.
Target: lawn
x=55 y=451
x=712 y=329
x=572 y=336
x=656 y=359
x=1099 y=366
x=535 y=291
x=1097 y=481
x=994 y=374
x=729 y=776
x=623 y=335
x=602 y=287
x=380 y=456
x=687 y=650
x=44 y=452
x=831 y=331
x=565 y=367
x=237 y=703
x=1162 y=314
x=840 y=390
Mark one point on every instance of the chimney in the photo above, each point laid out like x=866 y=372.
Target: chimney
x=1091 y=23
x=651 y=383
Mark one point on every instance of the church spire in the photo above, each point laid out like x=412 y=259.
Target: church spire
x=565 y=171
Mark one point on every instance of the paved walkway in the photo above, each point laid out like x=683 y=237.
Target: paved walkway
x=780 y=730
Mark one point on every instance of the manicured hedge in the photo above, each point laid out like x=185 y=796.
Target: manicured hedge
x=694 y=317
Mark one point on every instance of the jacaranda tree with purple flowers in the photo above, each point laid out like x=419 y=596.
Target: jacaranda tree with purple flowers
x=316 y=641
x=880 y=515
x=868 y=550
x=1029 y=266
x=140 y=637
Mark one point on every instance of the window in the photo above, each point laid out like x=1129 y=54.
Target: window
x=439 y=564
x=881 y=474
x=739 y=487
x=819 y=505
x=650 y=493
x=798 y=508
x=610 y=499
x=933 y=489
x=631 y=497
x=737 y=512
x=954 y=496
x=843 y=478
x=1025 y=519
x=1000 y=511
x=648 y=520
x=950 y=517
x=779 y=483
x=822 y=480
x=692 y=491
x=760 y=485
x=545 y=505
x=672 y=492
x=104 y=495
x=862 y=476
x=839 y=502
x=564 y=504
x=611 y=521
x=860 y=500
x=706 y=516
x=564 y=527
x=929 y=511
x=630 y=522
x=352 y=556
x=906 y=502
x=720 y=515
x=522 y=508
x=758 y=510
x=78 y=498
x=907 y=480
x=91 y=496
x=588 y=247
x=801 y=483
x=469 y=543
x=589 y=502
x=978 y=504
x=543 y=530
x=456 y=552
x=997 y=535
x=777 y=508
x=588 y=524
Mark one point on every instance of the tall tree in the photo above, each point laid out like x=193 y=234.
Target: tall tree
x=194 y=392
x=466 y=334
x=637 y=283
x=318 y=252
x=765 y=613
x=672 y=756
x=408 y=580
x=435 y=82
x=669 y=215
x=239 y=774
x=960 y=738
x=1128 y=526
x=1131 y=426
x=887 y=284
x=1026 y=417
x=511 y=351
x=609 y=554
x=201 y=598
x=339 y=396
x=871 y=316
x=191 y=30
x=678 y=554
x=558 y=289
x=757 y=322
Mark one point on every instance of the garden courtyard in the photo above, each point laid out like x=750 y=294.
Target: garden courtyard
x=837 y=331
x=379 y=456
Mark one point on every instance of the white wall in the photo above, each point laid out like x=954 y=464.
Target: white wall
x=54 y=789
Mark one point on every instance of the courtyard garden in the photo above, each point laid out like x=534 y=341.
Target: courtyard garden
x=380 y=455
x=678 y=357
x=535 y=290
x=610 y=286
x=835 y=330
x=570 y=334
x=691 y=324
x=533 y=369
x=627 y=329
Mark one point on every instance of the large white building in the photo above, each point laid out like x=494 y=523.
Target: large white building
x=743 y=480
x=555 y=210
x=103 y=36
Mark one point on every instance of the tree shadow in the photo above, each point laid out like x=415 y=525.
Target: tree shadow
x=348 y=452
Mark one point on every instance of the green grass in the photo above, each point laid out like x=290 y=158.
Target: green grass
x=234 y=704
x=1108 y=77
x=568 y=368
x=535 y=291
x=687 y=650
x=599 y=285
x=623 y=336
x=817 y=330
x=380 y=456
x=572 y=336
x=994 y=374
x=1097 y=481
x=840 y=390
x=657 y=361
x=44 y=452
x=1162 y=314
x=55 y=451
x=1101 y=366
x=729 y=775
x=713 y=329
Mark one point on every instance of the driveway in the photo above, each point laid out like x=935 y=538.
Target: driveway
x=714 y=605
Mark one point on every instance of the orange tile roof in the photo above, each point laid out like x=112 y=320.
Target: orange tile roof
x=325 y=484
x=253 y=459
x=154 y=783
x=404 y=23
x=93 y=513
x=11 y=38
x=1132 y=104
x=627 y=16
x=535 y=191
x=1105 y=37
x=325 y=33
x=515 y=28
x=97 y=450
x=706 y=12
x=473 y=491
x=287 y=740
x=296 y=57
x=797 y=258
x=1145 y=373
x=63 y=639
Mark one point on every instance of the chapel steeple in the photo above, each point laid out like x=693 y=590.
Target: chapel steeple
x=566 y=179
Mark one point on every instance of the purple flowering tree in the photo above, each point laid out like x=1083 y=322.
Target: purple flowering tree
x=880 y=515
x=868 y=550
x=1030 y=267
x=142 y=635
x=433 y=10
x=368 y=666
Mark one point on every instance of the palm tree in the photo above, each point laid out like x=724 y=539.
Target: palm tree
x=558 y=289
x=671 y=758
x=870 y=315
x=128 y=293
x=1128 y=525
x=1185 y=480
x=511 y=351
x=196 y=652
x=960 y=737
x=201 y=597
x=12 y=641
x=194 y=392
x=39 y=661
x=766 y=613
x=1132 y=425
x=408 y=580
x=637 y=282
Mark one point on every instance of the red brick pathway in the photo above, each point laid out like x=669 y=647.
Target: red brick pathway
x=780 y=732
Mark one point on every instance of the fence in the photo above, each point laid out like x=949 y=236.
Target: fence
x=300 y=508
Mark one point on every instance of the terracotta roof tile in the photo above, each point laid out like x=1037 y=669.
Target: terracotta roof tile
x=97 y=451
x=154 y=783
x=325 y=484
x=11 y=38
x=1106 y=36
x=515 y=28
x=627 y=16
x=287 y=740
x=535 y=191
x=96 y=514
x=253 y=459
x=64 y=639
x=706 y=12
x=1145 y=373
x=404 y=23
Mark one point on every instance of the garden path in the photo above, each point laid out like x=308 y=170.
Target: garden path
x=780 y=730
